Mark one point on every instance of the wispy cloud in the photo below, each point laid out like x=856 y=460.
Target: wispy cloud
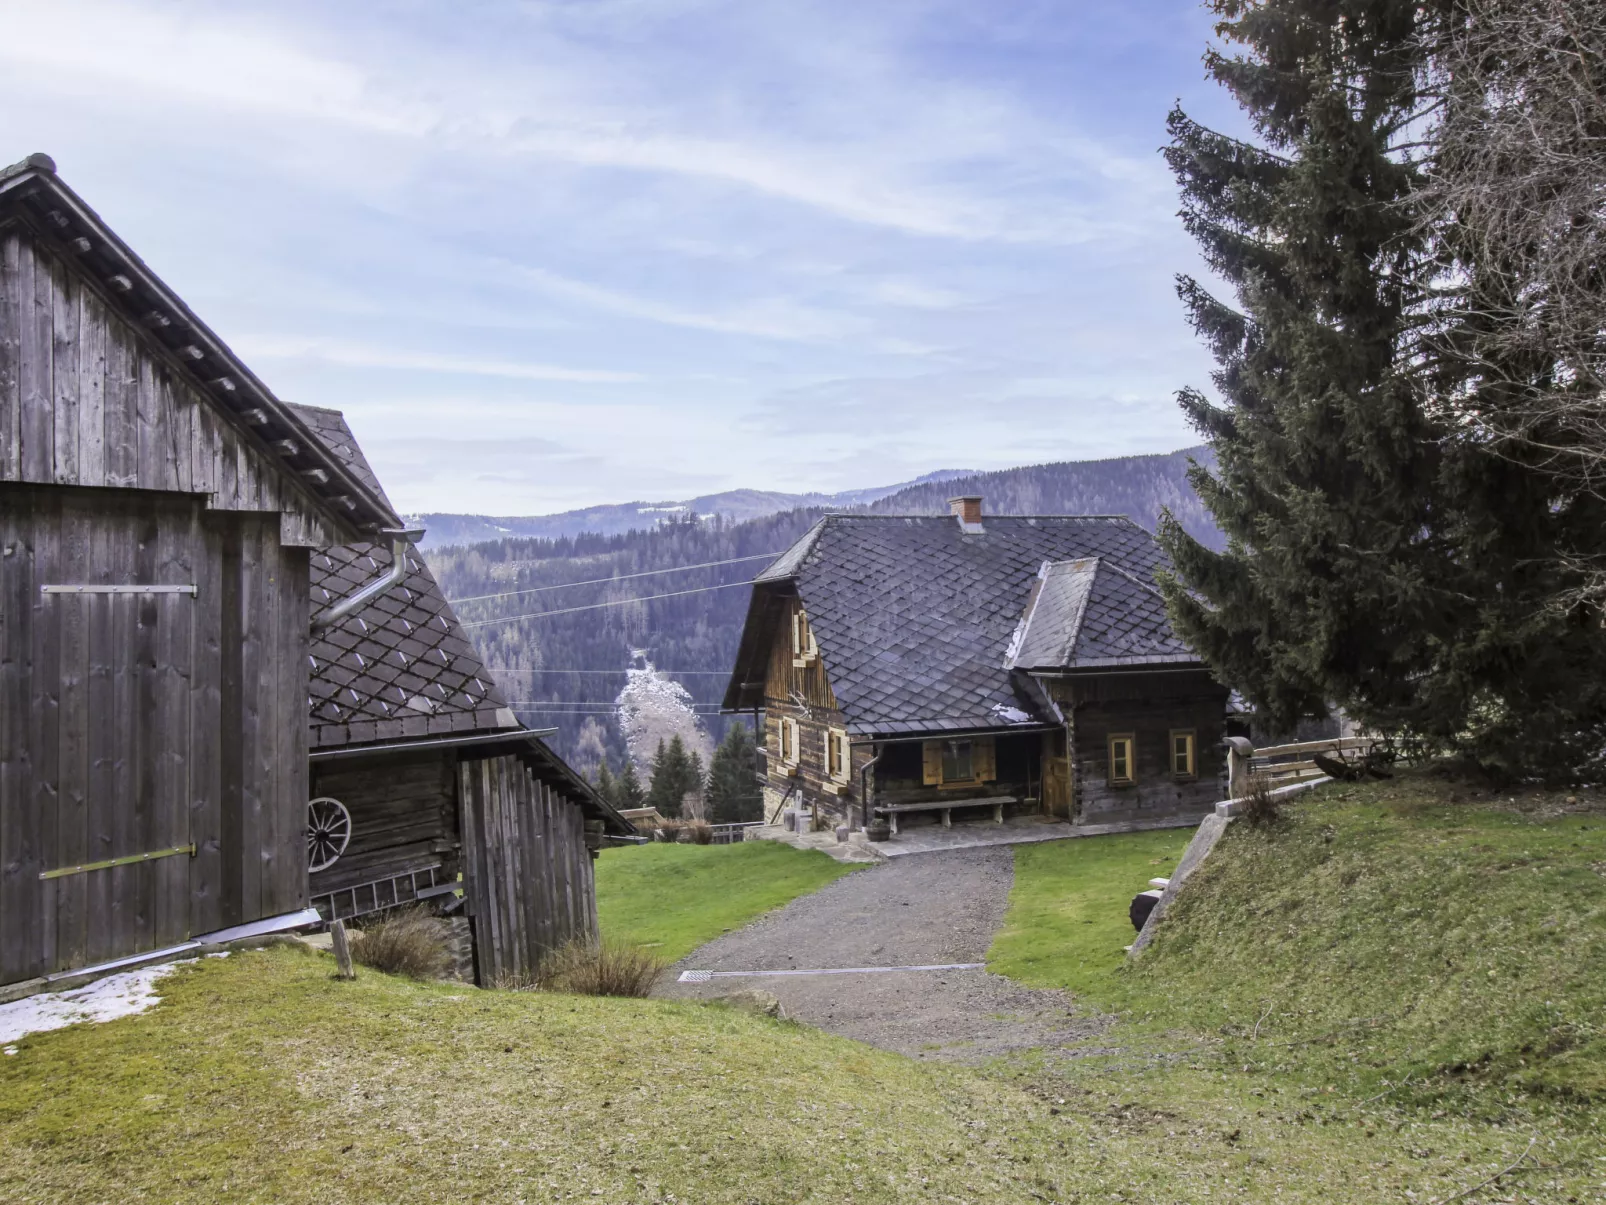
x=360 y=355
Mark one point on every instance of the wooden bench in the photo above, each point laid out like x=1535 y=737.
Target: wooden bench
x=946 y=807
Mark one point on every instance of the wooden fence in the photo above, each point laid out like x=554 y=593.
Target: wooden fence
x=1287 y=764
x=527 y=871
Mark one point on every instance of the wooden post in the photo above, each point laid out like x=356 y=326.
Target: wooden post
x=342 y=949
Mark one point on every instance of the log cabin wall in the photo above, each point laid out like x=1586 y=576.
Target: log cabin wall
x=403 y=808
x=797 y=688
x=144 y=722
x=1013 y=767
x=1149 y=707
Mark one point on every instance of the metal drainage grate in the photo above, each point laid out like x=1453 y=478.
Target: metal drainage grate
x=696 y=976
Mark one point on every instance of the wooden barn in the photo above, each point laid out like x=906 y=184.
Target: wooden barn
x=921 y=668
x=158 y=511
x=424 y=787
x=188 y=568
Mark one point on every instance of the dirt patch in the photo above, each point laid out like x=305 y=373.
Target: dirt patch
x=915 y=911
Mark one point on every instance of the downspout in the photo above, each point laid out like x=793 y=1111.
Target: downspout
x=399 y=540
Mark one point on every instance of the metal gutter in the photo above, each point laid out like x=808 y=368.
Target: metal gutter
x=444 y=742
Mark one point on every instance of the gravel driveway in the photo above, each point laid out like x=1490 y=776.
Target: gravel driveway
x=917 y=910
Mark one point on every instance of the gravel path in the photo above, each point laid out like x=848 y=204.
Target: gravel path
x=918 y=910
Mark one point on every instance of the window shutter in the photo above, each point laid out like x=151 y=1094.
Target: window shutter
x=797 y=633
x=932 y=763
x=983 y=763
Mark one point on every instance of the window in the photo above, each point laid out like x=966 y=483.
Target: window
x=804 y=648
x=959 y=762
x=1182 y=755
x=786 y=736
x=838 y=755
x=1122 y=767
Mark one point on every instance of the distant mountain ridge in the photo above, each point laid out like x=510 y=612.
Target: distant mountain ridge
x=566 y=669
x=452 y=530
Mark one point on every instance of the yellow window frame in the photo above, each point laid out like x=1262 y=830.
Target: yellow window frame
x=1184 y=753
x=1123 y=750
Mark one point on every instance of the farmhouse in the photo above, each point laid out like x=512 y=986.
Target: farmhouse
x=912 y=668
x=420 y=772
x=163 y=518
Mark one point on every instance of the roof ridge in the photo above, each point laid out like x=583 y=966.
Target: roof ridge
x=1133 y=578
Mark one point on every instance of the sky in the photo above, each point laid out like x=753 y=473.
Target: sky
x=557 y=253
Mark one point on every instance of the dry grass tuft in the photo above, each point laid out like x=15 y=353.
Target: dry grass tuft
x=605 y=968
x=1260 y=807
x=408 y=942
x=698 y=832
x=668 y=831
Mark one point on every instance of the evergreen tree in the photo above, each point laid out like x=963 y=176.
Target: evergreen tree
x=733 y=792
x=607 y=787
x=674 y=775
x=1377 y=557
x=627 y=786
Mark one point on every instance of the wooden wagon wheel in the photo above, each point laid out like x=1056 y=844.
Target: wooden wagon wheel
x=328 y=832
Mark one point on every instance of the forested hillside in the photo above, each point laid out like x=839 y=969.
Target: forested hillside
x=562 y=658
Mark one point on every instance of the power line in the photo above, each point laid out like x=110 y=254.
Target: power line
x=618 y=602
x=602 y=581
x=721 y=673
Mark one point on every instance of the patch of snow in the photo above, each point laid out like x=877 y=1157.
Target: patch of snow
x=653 y=707
x=123 y=995
x=1011 y=715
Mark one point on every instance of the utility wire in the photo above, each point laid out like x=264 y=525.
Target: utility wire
x=503 y=671
x=602 y=581
x=618 y=602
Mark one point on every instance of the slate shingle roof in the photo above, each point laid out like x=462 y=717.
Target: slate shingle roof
x=1091 y=614
x=400 y=668
x=916 y=619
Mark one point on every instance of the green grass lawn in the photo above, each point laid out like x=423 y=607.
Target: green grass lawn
x=1067 y=924
x=1417 y=956
x=673 y=898
x=1392 y=998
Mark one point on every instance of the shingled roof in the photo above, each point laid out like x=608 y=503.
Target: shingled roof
x=400 y=668
x=1092 y=614
x=920 y=624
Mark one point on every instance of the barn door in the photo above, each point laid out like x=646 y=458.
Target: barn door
x=116 y=875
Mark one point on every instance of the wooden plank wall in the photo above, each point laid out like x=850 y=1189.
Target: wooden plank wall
x=1149 y=706
x=131 y=723
x=403 y=816
x=526 y=869
x=86 y=400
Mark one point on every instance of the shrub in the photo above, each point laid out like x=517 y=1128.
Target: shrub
x=407 y=942
x=600 y=968
x=669 y=831
x=698 y=832
x=1260 y=807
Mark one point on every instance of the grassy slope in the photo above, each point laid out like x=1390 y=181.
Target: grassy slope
x=1067 y=925
x=259 y=1078
x=673 y=898
x=1406 y=957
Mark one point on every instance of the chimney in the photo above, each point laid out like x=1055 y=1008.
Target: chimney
x=967 y=510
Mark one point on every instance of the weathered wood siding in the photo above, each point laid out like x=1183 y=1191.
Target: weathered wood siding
x=1017 y=771
x=527 y=870
x=403 y=816
x=86 y=400
x=1150 y=707
x=131 y=723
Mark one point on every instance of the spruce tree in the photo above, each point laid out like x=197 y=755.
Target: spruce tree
x=606 y=786
x=1377 y=557
x=627 y=787
x=733 y=791
x=673 y=777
